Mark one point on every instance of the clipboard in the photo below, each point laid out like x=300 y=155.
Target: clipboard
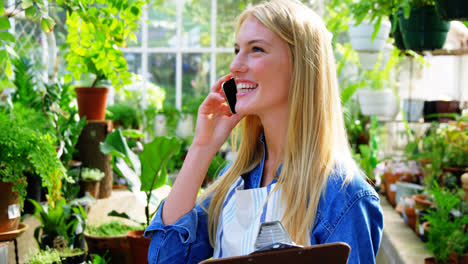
x=330 y=253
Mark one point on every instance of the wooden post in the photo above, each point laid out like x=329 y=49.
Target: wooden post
x=89 y=154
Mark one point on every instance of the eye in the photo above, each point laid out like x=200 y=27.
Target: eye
x=257 y=49
x=236 y=51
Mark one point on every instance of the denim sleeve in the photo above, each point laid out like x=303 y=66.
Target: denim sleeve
x=186 y=241
x=360 y=226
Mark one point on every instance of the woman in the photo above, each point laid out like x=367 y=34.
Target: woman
x=293 y=163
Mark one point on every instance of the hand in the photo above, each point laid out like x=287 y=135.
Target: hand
x=215 y=122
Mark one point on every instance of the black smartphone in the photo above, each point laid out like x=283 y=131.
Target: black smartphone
x=230 y=91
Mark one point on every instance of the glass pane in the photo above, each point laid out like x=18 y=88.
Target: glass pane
x=196 y=19
x=133 y=62
x=225 y=21
x=195 y=80
x=162 y=25
x=223 y=61
x=162 y=73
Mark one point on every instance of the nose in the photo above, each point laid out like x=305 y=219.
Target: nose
x=238 y=65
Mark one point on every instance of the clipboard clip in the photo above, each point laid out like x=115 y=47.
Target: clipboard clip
x=271 y=236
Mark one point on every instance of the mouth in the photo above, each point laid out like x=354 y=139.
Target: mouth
x=244 y=87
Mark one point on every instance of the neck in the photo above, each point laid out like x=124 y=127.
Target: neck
x=275 y=128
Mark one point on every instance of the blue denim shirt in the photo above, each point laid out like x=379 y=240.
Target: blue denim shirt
x=349 y=213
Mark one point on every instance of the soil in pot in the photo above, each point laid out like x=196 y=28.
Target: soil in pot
x=9 y=208
x=139 y=246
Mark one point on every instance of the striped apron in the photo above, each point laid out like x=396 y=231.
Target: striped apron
x=242 y=213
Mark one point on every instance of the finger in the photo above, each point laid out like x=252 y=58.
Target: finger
x=217 y=86
x=212 y=103
x=235 y=119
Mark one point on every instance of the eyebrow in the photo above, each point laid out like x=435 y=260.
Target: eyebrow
x=254 y=41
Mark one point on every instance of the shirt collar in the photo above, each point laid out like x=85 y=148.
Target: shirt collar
x=253 y=178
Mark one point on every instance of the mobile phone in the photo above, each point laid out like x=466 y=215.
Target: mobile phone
x=230 y=90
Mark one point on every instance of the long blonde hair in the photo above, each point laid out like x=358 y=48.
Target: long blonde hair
x=316 y=138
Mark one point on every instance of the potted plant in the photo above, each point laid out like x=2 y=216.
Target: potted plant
x=110 y=237
x=24 y=149
x=95 y=35
x=90 y=181
x=452 y=9
x=421 y=26
x=447 y=234
x=61 y=225
x=371 y=27
x=147 y=173
x=124 y=115
x=377 y=97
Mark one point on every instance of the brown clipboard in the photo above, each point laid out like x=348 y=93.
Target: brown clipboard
x=330 y=253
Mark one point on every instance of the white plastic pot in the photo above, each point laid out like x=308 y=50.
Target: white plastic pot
x=378 y=102
x=413 y=110
x=369 y=59
x=160 y=125
x=361 y=36
x=185 y=126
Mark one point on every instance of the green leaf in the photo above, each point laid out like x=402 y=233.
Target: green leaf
x=25 y=4
x=8 y=70
x=4 y=23
x=153 y=160
x=67 y=78
x=47 y=24
x=30 y=12
x=7 y=36
x=11 y=51
x=2 y=8
x=116 y=145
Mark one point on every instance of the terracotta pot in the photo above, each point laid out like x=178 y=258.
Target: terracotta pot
x=117 y=246
x=92 y=187
x=139 y=246
x=390 y=184
x=421 y=202
x=440 y=107
x=92 y=102
x=411 y=216
x=9 y=208
x=452 y=260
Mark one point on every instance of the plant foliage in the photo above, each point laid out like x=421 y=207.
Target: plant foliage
x=65 y=220
x=96 y=32
x=448 y=224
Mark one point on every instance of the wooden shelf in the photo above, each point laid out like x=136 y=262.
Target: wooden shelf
x=442 y=52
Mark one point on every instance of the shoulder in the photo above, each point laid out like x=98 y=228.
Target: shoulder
x=342 y=200
x=347 y=191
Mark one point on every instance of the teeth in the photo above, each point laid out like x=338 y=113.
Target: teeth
x=245 y=86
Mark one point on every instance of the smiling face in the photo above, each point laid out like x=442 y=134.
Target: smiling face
x=262 y=69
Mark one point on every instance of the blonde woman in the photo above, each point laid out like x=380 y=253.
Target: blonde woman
x=293 y=163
